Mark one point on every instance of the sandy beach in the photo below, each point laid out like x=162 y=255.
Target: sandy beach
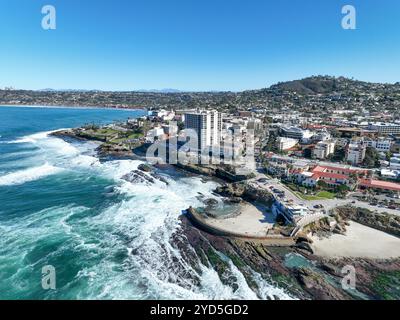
x=359 y=242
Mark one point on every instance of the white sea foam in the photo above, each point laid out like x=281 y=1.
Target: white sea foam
x=27 y=175
x=142 y=224
x=32 y=138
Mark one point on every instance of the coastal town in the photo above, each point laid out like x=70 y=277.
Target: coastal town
x=307 y=164
x=200 y=158
x=296 y=188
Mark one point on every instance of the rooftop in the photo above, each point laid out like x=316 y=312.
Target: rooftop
x=370 y=183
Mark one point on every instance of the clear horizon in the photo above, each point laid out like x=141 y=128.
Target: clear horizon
x=194 y=46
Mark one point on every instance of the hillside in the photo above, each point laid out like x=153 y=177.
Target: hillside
x=314 y=93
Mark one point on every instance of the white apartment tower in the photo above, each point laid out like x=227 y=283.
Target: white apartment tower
x=207 y=125
x=323 y=149
x=356 y=152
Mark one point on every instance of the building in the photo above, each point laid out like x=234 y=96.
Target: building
x=295 y=133
x=385 y=128
x=396 y=147
x=286 y=143
x=332 y=176
x=164 y=115
x=382 y=186
x=170 y=129
x=331 y=179
x=390 y=174
x=154 y=134
x=207 y=125
x=356 y=152
x=289 y=211
x=351 y=132
x=381 y=145
x=323 y=149
x=322 y=135
x=395 y=162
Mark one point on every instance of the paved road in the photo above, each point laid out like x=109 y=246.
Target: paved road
x=314 y=162
x=327 y=203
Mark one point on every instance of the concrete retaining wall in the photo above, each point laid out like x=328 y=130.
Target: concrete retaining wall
x=202 y=224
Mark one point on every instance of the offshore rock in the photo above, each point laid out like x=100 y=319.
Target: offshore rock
x=137 y=176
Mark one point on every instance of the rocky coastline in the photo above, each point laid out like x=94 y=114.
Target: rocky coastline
x=311 y=277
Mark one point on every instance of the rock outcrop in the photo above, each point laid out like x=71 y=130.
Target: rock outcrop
x=143 y=174
x=321 y=280
x=242 y=190
x=381 y=221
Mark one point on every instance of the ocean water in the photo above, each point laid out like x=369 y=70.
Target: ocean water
x=106 y=238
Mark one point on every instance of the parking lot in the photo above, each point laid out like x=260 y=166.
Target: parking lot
x=276 y=187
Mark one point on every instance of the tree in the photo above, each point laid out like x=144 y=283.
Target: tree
x=388 y=155
x=322 y=184
x=342 y=188
x=371 y=159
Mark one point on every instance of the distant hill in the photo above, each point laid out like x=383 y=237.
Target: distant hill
x=322 y=93
x=324 y=85
x=312 y=85
x=167 y=90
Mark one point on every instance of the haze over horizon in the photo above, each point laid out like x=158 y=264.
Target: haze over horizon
x=195 y=46
x=175 y=90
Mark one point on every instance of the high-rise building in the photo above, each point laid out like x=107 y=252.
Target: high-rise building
x=356 y=152
x=207 y=125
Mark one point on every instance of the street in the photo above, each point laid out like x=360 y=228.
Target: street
x=327 y=204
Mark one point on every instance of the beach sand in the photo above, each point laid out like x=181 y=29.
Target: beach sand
x=359 y=242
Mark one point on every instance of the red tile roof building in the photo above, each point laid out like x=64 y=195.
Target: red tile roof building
x=378 y=184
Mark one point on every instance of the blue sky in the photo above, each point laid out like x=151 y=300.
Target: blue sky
x=195 y=44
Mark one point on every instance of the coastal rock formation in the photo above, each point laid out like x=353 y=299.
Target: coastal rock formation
x=145 y=167
x=237 y=190
x=139 y=176
x=381 y=221
x=319 y=279
x=113 y=150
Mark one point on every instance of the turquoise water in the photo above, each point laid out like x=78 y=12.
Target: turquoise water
x=106 y=238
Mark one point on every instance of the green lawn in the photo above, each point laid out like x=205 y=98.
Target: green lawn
x=319 y=196
x=326 y=195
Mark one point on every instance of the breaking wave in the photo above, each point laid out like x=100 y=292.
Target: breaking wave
x=27 y=175
x=123 y=248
